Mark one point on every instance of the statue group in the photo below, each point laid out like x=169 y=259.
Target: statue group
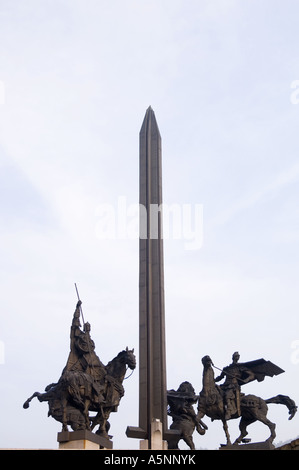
x=224 y=402
x=86 y=384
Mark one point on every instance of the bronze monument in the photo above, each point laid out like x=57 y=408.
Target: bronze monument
x=227 y=402
x=86 y=384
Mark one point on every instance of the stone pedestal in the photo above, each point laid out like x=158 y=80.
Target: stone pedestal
x=82 y=440
x=252 y=446
x=157 y=442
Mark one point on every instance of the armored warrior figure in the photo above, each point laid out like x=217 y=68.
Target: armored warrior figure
x=82 y=349
x=235 y=375
x=86 y=384
x=225 y=402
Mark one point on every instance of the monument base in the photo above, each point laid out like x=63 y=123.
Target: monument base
x=157 y=442
x=252 y=446
x=82 y=440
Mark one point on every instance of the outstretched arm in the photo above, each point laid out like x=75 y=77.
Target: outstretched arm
x=76 y=318
x=75 y=323
x=220 y=377
x=248 y=376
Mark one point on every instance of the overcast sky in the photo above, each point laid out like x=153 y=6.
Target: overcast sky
x=76 y=78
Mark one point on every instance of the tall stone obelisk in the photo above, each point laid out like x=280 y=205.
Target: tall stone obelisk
x=152 y=361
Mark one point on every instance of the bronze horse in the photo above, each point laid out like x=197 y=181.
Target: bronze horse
x=76 y=393
x=252 y=408
x=113 y=391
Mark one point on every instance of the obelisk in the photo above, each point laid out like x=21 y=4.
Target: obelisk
x=152 y=361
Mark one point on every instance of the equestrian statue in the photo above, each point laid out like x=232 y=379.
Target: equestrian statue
x=226 y=401
x=86 y=384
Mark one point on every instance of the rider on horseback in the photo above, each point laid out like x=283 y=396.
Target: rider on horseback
x=235 y=375
x=82 y=356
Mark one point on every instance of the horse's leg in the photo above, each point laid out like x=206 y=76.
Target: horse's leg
x=86 y=415
x=186 y=428
x=103 y=429
x=99 y=419
x=104 y=422
x=26 y=404
x=95 y=421
x=271 y=426
x=200 y=426
x=189 y=441
x=63 y=403
x=243 y=429
x=199 y=416
x=225 y=427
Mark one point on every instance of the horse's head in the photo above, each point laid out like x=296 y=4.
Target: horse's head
x=207 y=361
x=130 y=358
x=117 y=367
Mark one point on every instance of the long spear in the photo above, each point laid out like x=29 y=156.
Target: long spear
x=80 y=305
x=88 y=339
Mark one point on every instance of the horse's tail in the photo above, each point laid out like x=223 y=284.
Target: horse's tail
x=284 y=400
